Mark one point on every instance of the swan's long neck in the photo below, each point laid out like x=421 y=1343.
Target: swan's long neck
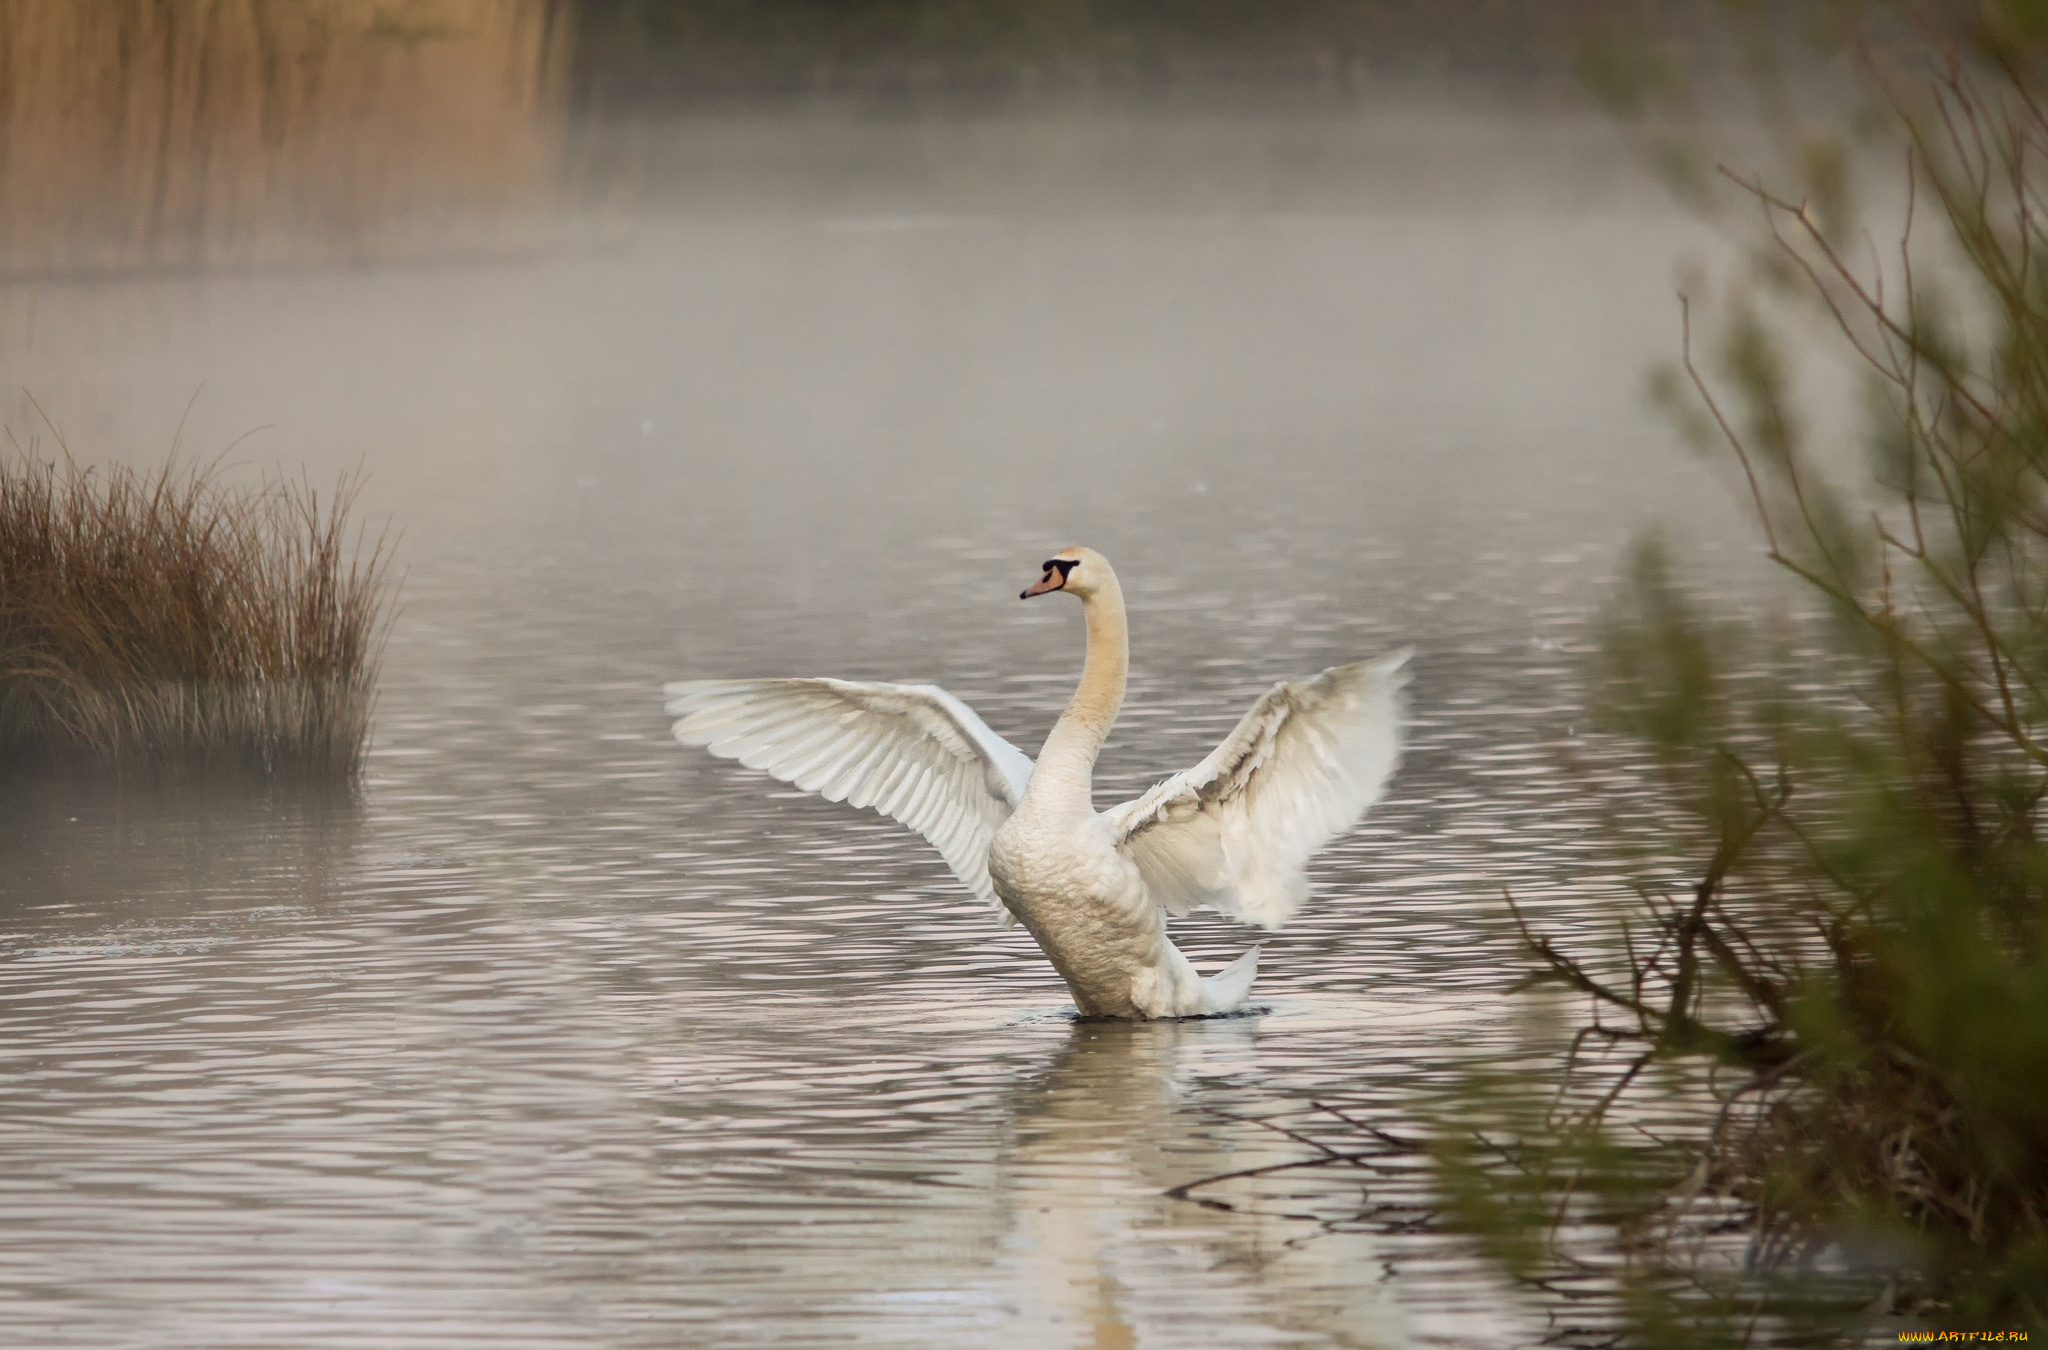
x=1064 y=775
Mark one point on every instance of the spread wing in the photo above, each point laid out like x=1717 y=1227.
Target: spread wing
x=911 y=751
x=1235 y=831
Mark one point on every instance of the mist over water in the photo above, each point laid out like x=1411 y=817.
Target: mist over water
x=563 y=1035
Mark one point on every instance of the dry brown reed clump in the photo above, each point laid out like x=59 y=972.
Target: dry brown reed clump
x=135 y=133
x=168 y=622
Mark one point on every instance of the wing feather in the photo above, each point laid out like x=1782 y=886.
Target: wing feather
x=911 y=751
x=1235 y=832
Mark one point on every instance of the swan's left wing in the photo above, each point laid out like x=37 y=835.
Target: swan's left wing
x=1234 y=832
x=911 y=751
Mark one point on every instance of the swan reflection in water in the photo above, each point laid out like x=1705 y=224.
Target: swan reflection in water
x=1099 y=1256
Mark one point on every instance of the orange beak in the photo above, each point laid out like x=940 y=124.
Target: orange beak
x=1051 y=581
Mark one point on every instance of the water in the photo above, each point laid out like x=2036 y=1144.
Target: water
x=561 y=1035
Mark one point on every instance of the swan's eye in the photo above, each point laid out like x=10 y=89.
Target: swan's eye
x=1064 y=566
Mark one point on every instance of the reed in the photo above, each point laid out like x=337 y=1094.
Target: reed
x=169 y=622
x=135 y=133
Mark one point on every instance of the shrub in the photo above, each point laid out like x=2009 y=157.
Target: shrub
x=1852 y=978
x=171 y=623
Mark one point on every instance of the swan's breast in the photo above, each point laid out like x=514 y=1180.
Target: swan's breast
x=1041 y=854
x=1043 y=868
x=1086 y=905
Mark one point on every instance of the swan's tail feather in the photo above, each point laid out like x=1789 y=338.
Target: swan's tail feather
x=1228 y=988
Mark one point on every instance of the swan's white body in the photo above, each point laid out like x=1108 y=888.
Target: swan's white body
x=1094 y=888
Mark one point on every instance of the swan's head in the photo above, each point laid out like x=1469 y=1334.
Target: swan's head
x=1078 y=571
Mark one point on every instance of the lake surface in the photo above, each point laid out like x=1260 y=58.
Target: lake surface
x=561 y=1035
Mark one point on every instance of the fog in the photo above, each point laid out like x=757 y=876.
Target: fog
x=863 y=334
x=565 y=1034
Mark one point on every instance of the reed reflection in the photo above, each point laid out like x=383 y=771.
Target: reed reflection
x=165 y=855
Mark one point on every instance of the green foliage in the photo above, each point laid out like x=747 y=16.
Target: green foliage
x=1840 y=964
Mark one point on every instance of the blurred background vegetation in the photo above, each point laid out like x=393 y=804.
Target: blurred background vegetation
x=689 y=52
x=137 y=134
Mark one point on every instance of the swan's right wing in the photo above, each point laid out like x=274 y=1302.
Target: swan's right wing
x=910 y=751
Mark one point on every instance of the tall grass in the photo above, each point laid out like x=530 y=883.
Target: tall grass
x=169 y=622
x=153 y=134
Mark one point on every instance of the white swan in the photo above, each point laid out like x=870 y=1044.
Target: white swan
x=1233 y=833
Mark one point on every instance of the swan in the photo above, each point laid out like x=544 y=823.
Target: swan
x=1094 y=888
